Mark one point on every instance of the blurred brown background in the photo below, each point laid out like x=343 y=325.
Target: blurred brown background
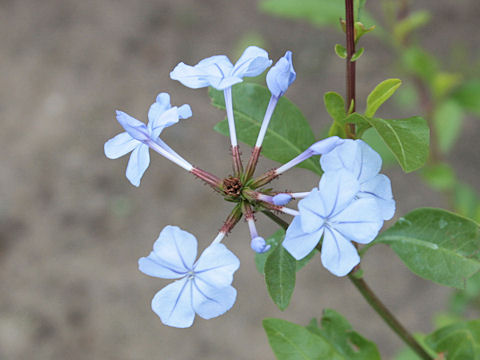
x=71 y=225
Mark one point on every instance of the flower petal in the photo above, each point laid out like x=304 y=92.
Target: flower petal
x=355 y=156
x=312 y=211
x=299 y=243
x=281 y=75
x=339 y=256
x=211 y=302
x=337 y=189
x=165 y=119
x=259 y=245
x=380 y=188
x=173 y=304
x=253 y=62
x=161 y=104
x=213 y=71
x=154 y=266
x=120 y=145
x=360 y=221
x=138 y=163
x=135 y=128
x=326 y=145
x=184 y=111
x=216 y=266
x=176 y=247
x=371 y=162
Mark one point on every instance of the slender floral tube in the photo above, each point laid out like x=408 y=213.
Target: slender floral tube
x=232 y=219
x=266 y=120
x=208 y=178
x=319 y=148
x=231 y=121
x=218 y=239
x=159 y=149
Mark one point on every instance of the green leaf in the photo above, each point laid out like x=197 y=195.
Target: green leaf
x=341 y=51
x=380 y=94
x=436 y=244
x=361 y=30
x=288 y=134
x=318 y=12
x=274 y=241
x=357 y=54
x=408 y=139
x=409 y=354
x=418 y=62
x=340 y=334
x=443 y=82
x=335 y=106
x=460 y=341
x=294 y=342
x=460 y=300
x=415 y=20
x=280 y=268
x=439 y=176
x=371 y=137
x=467 y=96
x=448 y=120
x=466 y=201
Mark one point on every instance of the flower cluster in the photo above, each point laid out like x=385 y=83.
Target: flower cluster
x=350 y=204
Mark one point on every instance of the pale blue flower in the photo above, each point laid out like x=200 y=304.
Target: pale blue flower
x=334 y=212
x=139 y=137
x=218 y=72
x=364 y=163
x=203 y=287
x=281 y=75
x=281 y=199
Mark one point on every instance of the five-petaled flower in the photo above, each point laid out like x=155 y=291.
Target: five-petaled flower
x=334 y=212
x=138 y=137
x=204 y=287
x=219 y=72
x=364 y=163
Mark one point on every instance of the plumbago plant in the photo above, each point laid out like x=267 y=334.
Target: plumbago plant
x=341 y=217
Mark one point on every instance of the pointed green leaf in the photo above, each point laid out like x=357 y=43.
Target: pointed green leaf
x=415 y=20
x=448 y=120
x=336 y=340
x=335 y=106
x=439 y=176
x=408 y=139
x=274 y=241
x=294 y=342
x=357 y=54
x=460 y=341
x=340 y=334
x=280 y=268
x=467 y=95
x=436 y=244
x=288 y=134
x=380 y=94
x=340 y=51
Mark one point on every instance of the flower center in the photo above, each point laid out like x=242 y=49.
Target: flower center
x=232 y=186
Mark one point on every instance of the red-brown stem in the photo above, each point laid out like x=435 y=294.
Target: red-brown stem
x=252 y=163
x=264 y=179
x=208 y=178
x=350 y=32
x=247 y=211
x=232 y=220
x=237 y=161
